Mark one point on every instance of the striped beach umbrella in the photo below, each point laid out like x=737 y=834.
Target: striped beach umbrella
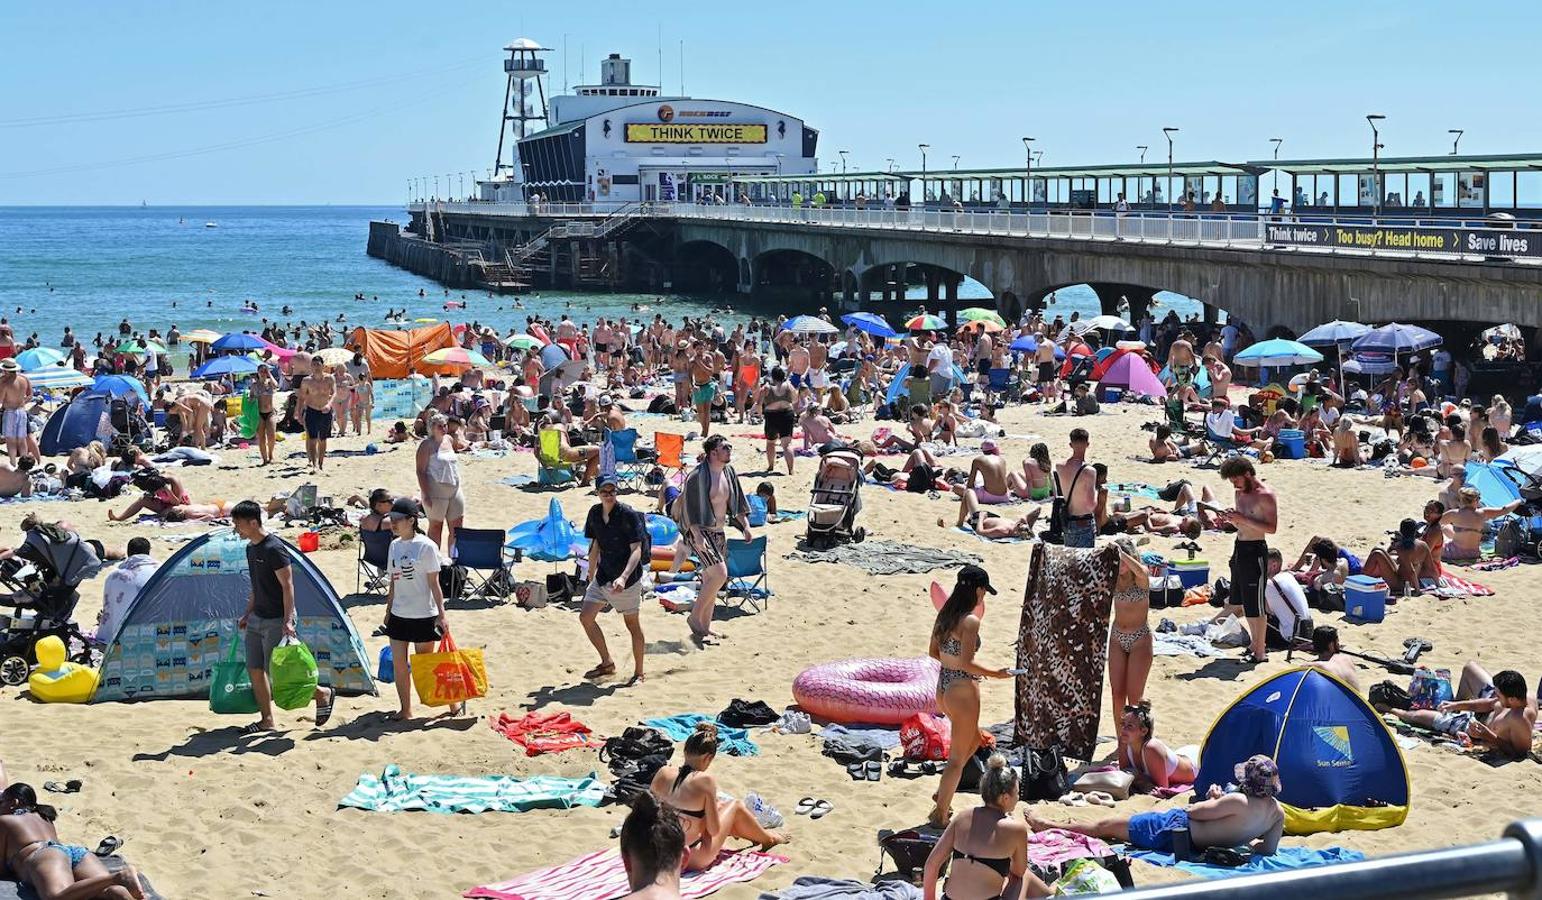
x=926 y=323
x=456 y=356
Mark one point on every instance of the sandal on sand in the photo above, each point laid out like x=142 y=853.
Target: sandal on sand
x=873 y=770
x=805 y=806
x=821 y=809
x=108 y=846
x=69 y=787
x=601 y=670
x=1101 y=798
x=324 y=710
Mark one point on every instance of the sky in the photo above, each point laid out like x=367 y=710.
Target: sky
x=343 y=102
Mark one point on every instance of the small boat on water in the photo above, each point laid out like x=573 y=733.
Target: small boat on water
x=211 y=224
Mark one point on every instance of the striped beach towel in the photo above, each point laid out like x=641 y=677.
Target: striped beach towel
x=396 y=791
x=600 y=876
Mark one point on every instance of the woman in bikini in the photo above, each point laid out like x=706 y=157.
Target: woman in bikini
x=30 y=848
x=955 y=639
x=652 y=850
x=746 y=377
x=378 y=517
x=1467 y=523
x=261 y=393
x=161 y=493
x=691 y=792
x=1129 y=640
x=1152 y=761
x=986 y=848
x=1037 y=471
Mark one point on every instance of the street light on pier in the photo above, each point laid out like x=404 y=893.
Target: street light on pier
x=924 y=148
x=889 y=164
x=1142 y=148
x=1373 y=118
x=1028 y=173
x=1168 y=132
x=1456 y=140
x=843 y=160
x=1277 y=142
x=955 y=162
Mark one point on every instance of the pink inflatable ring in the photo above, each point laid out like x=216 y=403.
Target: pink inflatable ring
x=880 y=691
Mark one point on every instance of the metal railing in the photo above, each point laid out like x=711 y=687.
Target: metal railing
x=1511 y=865
x=1390 y=237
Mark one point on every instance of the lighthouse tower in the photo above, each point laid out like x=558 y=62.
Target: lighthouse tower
x=524 y=101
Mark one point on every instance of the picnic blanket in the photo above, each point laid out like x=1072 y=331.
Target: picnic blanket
x=888 y=557
x=600 y=875
x=397 y=791
x=1010 y=539
x=731 y=740
x=1283 y=859
x=818 y=887
x=1055 y=847
x=545 y=732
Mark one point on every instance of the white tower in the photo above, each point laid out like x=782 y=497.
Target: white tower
x=525 y=69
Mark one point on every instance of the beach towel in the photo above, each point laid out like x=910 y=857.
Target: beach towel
x=517 y=480
x=397 y=791
x=1063 y=646
x=888 y=557
x=1453 y=587
x=818 y=887
x=733 y=741
x=600 y=876
x=14 y=890
x=1136 y=489
x=884 y=737
x=1010 y=539
x=1168 y=644
x=1285 y=858
x=545 y=732
x=1055 y=847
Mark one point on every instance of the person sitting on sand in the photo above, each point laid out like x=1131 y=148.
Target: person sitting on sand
x=398 y=434
x=1325 y=643
x=818 y=430
x=1221 y=425
x=986 y=850
x=16 y=481
x=1249 y=816
x=1348 y=452
x=1037 y=472
x=766 y=491
x=652 y=850
x=1467 y=522
x=1324 y=562
x=1400 y=564
x=1493 y=711
x=31 y=849
x=691 y=791
x=989 y=481
x=161 y=493
x=1154 y=764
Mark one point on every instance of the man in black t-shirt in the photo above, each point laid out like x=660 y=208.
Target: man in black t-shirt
x=270 y=612
x=617 y=534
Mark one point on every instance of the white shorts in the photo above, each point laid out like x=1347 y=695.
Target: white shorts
x=14 y=424
x=818 y=378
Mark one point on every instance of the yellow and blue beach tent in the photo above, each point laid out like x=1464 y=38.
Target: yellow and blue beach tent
x=1339 y=765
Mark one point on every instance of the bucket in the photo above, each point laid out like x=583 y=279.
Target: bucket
x=310 y=541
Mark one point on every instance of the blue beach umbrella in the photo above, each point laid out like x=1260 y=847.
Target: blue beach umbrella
x=1336 y=332
x=1024 y=344
x=37 y=358
x=122 y=386
x=238 y=340
x=57 y=378
x=871 y=323
x=1397 y=338
x=1278 y=352
x=226 y=365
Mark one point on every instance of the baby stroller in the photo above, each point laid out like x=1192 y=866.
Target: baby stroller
x=836 y=498
x=43 y=576
x=130 y=429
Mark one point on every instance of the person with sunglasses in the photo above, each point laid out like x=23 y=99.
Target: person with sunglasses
x=1145 y=756
x=616 y=534
x=712 y=497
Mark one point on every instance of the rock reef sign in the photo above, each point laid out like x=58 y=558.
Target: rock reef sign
x=675 y=133
x=1500 y=242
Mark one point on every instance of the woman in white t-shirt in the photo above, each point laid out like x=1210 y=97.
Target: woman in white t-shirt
x=415 y=604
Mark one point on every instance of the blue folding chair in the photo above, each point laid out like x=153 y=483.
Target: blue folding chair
x=630 y=469
x=1001 y=382
x=374 y=553
x=489 y=569
x=747 y=573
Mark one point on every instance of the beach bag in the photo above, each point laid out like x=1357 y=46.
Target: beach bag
x=1166 y=591
x=1115 y=783
x=230 y=689
x=908 y=849
x=622 y=752
x=1390 y=695
x=924 y=736
x=922 y=480
x=449 y=675
x=1086 y=876
x=452 y=581
x=530 y=594
x=970 y=776
x=1429 y=688
x=292 y=671
x=1509 y=540
x=1044 y=775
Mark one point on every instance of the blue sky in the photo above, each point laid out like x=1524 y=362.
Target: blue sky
x=343 y=102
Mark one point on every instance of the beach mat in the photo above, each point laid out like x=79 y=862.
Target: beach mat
x=888 y=557
x=12 y=890
x=1285 y=859
x=600 y=875
x=397 y=791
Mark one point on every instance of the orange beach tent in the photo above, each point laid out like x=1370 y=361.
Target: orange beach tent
x=397 y=354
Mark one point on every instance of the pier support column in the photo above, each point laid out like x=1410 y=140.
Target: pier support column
x=933 y=279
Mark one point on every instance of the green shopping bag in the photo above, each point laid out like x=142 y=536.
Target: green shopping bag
x=230 y=690
x=292 y=672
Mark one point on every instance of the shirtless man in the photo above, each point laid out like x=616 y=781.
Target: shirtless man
x=15 y=391
x=1255 y=516
x=818 y=376
x=16 y=481
x=711 y=500
x=1044 y=358
x=1325 y=643
x=1077 y=483
x=316 y=394
x=1220 y=376
x=1251 y=816
x=706 y=365
x=196 y=410
x=799 y=361
x=990 y=525
x=818 y=430
x=1493 y=711
x=989 y=480
x=916 y=349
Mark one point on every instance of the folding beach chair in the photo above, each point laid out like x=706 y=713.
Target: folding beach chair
x=551 y=468
x=1002 y=384
x=628 y=467
x=1219 y=447
x=671 y=451
x=747 y=573
x=489 y=570
x=919 y=391
x=371 y=577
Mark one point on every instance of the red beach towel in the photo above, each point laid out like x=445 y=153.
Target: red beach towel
x=544 y=732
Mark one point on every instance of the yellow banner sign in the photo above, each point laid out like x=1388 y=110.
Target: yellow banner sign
x=649 y=133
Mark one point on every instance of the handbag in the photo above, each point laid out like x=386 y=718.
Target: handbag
x=292 y=671
x=230 y=689
x=1044 y=775
x=449 y=675
x=909 y=850
x=1113 y=782
x=530 y=594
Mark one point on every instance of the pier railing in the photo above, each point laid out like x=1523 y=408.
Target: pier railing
x=1445 y=240
x=1511 y=865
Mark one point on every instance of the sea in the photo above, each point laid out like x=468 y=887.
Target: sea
x=197 y=266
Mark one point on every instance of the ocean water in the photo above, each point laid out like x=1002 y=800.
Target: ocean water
x=90 y=267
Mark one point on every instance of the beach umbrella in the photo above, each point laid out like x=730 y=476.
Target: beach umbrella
x=809 y=325
x=121 y=386
x=1106 y=323
x=1370 y=364
x=981 y=314
x=226 y=365
x=1024 y=344
x=985 y=325
x=1278 y=352
x=333 y=356
x=202 y=336
x=132 y=346
x=524 y=342
x=57 y=378
x=38 y=358
x=1396 y=337
x=926 y=323
x=456 y=356
x=871 y=323
x=1335 y=332
x=238 y=340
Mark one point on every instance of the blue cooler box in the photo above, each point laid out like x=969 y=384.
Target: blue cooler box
x=1365 y=599
x=1291 y=444
x=1112 y=395
x=1192 y=572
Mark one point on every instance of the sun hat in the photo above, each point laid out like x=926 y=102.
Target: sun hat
x=1258 y=776
x=988 y=446
x=9 y=365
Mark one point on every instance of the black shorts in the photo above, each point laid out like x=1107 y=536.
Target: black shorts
x=1114 y=525
x=1046 y=372
x=779 y=423
x=1170 y=493
x=318 y=423
x=413 y=631
x=917 y=371
x=983 y=366
x=1249 y=563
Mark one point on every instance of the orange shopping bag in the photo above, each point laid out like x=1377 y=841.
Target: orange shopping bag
x=449 y=675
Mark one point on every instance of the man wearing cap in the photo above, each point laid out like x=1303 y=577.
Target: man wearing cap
x=1221 y=424
x=616 y=534
x=15 y=391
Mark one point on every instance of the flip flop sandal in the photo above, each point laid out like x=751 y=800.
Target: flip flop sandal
x=68 y=787
x=873 y=770
x=856 y=772
x=1101 y=798
x=821 y=809
x=109 y=845
x=324 y=710
x=805 y=806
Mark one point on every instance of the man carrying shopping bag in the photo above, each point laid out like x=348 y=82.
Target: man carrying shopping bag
x=270 y=613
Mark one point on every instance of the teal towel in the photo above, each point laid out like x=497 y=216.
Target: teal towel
x=733 y=741
x=396 y=791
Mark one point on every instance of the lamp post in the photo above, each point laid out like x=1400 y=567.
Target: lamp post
x=1028 y=173
x=1456 y=140
x=923 y=148
x=436 y=187
x=1376 y=147
x=955 y=162
x=1142 y=148
x=1277 y=142
x=1168 y=133
x=889 y=164
x=778 y=162
x=843 y=160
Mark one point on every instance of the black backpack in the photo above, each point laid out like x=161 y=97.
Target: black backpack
x=633 y=745
x=1509 y=540
x=1389 y=695
x=452 y=581
x=922 y=480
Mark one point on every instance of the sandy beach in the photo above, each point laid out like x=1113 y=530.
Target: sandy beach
x=208 y=813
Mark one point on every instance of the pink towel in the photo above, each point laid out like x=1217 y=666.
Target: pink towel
x=1172 y=790
x=1051 y=848
x=600 y=876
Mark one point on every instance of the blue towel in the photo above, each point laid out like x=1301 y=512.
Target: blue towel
x=517 y=480
x=1284 y=858
x=884 y=737
x=733 y=741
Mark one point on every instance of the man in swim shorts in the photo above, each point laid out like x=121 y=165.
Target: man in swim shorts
x=317 y=392
x=15 y=391
x=1255 y=517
